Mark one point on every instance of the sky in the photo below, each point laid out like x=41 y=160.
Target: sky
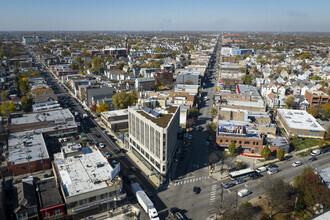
x=171 y=15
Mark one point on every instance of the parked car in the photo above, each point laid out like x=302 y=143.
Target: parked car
x=107 y=154
x=239 y=181
x=261 y=169
x=101 y=145
x=272 y=171
x=296 y=164
x=272 y=165
x=244 y=192
x=228 y=185
x=197 y=190
x=132 y=168
x=323 y=151
x=315 y=152
x=312 y=159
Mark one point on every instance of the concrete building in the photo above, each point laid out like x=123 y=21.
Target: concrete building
x=317 y=98
x=89 y=94
x=87 y=181
x=191 y=89
x=50 y=199
x=247 y=139
x=115 y=120
x=192 y=77
x=153 y=136
x=27 y=153
x=299 y=122
x=145 y=83
x=243 y=115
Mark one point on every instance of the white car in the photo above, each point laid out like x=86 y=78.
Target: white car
x=261 y=169
x=272 y=171
x=296 y=164
x=244 y=192
x=107 y=154
x=101 y=145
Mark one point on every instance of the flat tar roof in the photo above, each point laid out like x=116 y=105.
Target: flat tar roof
x=115 y=113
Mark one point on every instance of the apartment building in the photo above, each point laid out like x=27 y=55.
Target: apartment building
x=90 y=94
x=317 y=98
x=153 y=136
x=145 y=83
x=86 y=179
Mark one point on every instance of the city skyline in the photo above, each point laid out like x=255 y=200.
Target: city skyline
x=279 y=16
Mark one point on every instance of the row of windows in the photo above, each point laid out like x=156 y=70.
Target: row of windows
x=310 y=134
x=240 y=142
x=92 y=199
x=145 y=153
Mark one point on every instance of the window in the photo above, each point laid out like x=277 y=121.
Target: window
x=220 y=140
x=82 y=201
x=240 y=142
x=57 y=211
x=257 y=143
x=164 y=167
x=254 y=143
x=226 y=141
x=246 y=142
x=302 y=133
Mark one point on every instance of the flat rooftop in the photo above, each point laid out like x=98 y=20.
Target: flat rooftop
x=49 y=194
x=194 y=73
x=83 y=173
x=27 y=146
x=300 y=119
x=247 y=90
x=115 y=113
x=237 y=128
x=258 y=104
x=56 y=116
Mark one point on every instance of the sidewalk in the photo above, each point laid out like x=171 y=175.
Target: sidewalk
x=133 y=158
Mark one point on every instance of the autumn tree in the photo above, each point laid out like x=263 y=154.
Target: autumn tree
x=247 y=79
x=7 y=107
x=312 y=110
x=214 y=112
x=289 y=101
x=24 y=85
x=122 y=100
x=193 y=112
x=3 y=95
x=265 y=152
x=232 y=148
x=326 y=109
x=97 y=64
x=280 y=154
x=102 y=107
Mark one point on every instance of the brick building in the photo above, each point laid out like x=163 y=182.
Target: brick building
x=317 y=98
x=115 y=120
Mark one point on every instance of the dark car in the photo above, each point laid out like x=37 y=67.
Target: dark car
x=174 y=210
x=197 y=189
x=323 y=151
x=239 y=181
x=228 y=185
x=312 y=159
x=272 y=165
x=255 y=175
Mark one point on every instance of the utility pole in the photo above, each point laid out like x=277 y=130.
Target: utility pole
x=236 y=200
x=221 y=197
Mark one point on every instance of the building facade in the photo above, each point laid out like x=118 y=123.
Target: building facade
x=317 y=98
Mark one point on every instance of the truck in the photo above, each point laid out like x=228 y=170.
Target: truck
x=144 y=201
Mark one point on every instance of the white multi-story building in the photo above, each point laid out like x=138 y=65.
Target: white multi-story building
x=153 y=136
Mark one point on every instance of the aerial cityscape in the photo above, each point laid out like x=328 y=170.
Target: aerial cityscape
x=202 y=110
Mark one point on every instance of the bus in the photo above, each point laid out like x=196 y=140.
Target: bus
x=241 y=173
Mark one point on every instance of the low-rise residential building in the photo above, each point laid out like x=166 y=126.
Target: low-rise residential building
x=191 y=89
x=115 y=120
x=300 y=123
x=87 y=180
x=90 y=94
x=145 y=83
x=51 y=205
x=189 y=77
x=153 y=136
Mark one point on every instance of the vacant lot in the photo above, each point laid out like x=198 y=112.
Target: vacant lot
x=301 y=144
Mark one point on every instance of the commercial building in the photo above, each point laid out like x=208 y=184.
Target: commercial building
x=301 y=123
x=153 y=136
x=191 y=89
x=243 y=115
x=50 y=199
x=189 y=77
x=317 y=98
x=27 y=153
x=90 y=94
x=115 y=120
x=246 y=138
x=86 y=179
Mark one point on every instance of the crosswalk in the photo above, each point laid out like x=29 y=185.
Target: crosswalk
x=213 y=198
x=190 y=180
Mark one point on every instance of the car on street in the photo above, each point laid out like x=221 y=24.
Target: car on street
x=197 y=189
x=101 y=145
x=239 y=181
x=323 y=151
x=296 y=164
x=114 y=162
x=261 y=169
x=272 y=171
x=107 y=154
x=228 y=185
x=132 y=168
x=315 y=152
x=312 y=159
x=244 y=192
x=272 y=165
x=189 y=137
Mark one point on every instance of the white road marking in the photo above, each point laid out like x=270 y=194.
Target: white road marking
x=228 y=190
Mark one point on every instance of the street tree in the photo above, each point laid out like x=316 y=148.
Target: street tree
x=102 y=107
x=122 y=100
x=265 y=152
x=289 y=101
x=312 y=110
x=214 y=112
x=280 y=154
x=7 y=107
x=247 y=79
x=193 y=112
x=232 y=148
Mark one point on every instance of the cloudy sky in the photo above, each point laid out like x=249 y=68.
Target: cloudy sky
x=192 y=15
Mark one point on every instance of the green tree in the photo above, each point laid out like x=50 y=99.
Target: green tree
x=102 y=107
x=316 y=77
x=3 y=95
x=74 y=66
x=193 y=112
x=24 y=85
x=280 y=154
x=214 y=112
x=312 y=110
x=247 y=79
x=326 y=110
x=211 y=127
x=26 y=103
x=97 y=64
x=232 y=148
x=289 y=101
x=265 y=152
x=122 y=100
x=7 y=107
x=305 y=55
